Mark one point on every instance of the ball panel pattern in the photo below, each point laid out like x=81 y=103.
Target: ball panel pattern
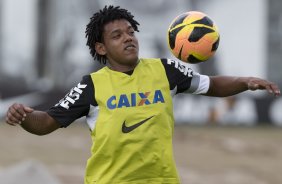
x=193 y=37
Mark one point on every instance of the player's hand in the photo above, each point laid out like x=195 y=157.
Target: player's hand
x=17 y=113
x=257 y=83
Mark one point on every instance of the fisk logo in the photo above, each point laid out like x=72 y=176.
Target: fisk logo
x=182 y=67
x=72 y=96
x=135 y=99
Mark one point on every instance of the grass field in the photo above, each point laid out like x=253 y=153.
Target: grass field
x=204 y=154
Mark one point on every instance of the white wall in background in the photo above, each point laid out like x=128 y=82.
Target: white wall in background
x=19 y=19
x=243 y=28
x=242 y=25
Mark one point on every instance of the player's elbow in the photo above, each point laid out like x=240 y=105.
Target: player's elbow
x=40 y=132
x=43 y=133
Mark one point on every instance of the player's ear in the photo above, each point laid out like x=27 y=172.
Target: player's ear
x=100 y=48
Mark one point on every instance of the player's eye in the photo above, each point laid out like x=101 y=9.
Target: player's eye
x=116 y=36
x=131 y=32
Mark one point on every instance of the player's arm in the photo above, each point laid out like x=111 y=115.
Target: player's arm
x=185 y=80
x=74 y=105
x=35 y=122
x=222 y=86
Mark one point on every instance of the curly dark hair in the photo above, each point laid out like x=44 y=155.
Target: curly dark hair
x=95 y=28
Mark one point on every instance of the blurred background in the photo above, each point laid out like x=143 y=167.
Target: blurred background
x=43 y=54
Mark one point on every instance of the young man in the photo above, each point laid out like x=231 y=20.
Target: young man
x=128 y=104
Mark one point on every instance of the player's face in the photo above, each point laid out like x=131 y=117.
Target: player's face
x=120 y=43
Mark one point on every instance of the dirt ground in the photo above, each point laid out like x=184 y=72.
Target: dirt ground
x=204 y=154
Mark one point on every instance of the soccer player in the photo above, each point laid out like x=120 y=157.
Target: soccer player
x=128 y=104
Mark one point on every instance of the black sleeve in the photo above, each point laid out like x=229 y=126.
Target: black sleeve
x=179 y=75
x=75 y=104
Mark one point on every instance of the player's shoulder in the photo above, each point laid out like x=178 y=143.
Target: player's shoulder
x=148 y=61
x=164 y=61
x=86 y=79
x=173 y=62
x=101 y=71
x=85 y=84
x=172 y=66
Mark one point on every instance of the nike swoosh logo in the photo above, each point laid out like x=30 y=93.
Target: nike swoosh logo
x=126 y=129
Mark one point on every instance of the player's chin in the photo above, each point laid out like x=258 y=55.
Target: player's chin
x=131 y=57
x=131 y=52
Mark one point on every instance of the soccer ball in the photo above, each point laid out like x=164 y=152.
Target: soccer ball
x=193 y=37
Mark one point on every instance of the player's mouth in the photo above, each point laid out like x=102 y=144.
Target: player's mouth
x=130 y=47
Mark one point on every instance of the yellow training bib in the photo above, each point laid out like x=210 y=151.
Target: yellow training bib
x=132 y=137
